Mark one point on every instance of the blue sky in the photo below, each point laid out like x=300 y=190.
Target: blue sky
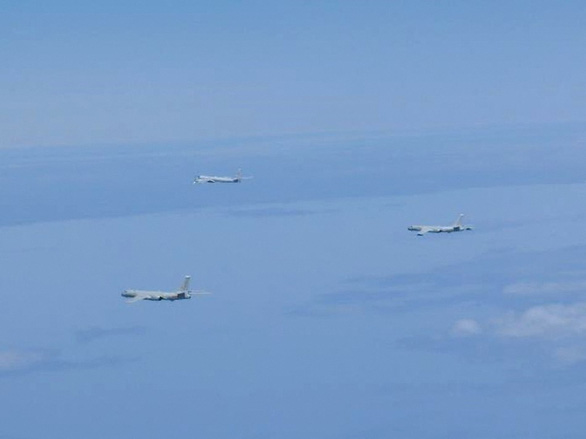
x=328 y=319
x=81 y=73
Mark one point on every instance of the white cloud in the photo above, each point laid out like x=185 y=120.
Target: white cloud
x=466 y=328
x=18 y=360
x=559 y=329
x=547 y=321
x=537 y=288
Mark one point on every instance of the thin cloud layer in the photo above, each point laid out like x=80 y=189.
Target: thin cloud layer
x=271 y=212
x=570 y=354
x=466 y=328
x=546 y=321
x=91 y=334
x=544 y=288
x=14 y=360
x=557 y=330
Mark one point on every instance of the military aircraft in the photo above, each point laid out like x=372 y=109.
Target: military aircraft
x=456 y=227
x=182 y=293
x=213 y=179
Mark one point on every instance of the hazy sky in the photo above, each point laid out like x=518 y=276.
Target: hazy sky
x=328 y=319
x=77 y=72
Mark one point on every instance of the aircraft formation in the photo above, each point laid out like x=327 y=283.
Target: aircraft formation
x=184 y=292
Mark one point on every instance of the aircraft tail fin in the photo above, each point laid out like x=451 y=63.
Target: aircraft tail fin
x=458 y=222
x=185 y=284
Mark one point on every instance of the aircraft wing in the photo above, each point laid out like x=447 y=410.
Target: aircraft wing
x=139 y=297
x=200 y=293
x=204 y=179
x=135 y=299
x=423 y=231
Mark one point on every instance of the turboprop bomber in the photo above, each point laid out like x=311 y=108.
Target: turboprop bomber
x=213 y=179
x=456 y=227
x=181 y=294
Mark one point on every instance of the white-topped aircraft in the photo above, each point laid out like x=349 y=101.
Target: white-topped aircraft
x=182 y=293
x=213 y=179
x=456 y=227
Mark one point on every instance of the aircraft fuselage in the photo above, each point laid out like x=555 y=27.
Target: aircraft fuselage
x=213 y=179
x=155 y=295
x=437 y=229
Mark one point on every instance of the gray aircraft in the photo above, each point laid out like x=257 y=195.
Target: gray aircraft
x=213 y=179
x=456 y=227
x=181 y=294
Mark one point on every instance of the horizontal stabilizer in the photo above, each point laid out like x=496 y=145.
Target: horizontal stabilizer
x=200 y=293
